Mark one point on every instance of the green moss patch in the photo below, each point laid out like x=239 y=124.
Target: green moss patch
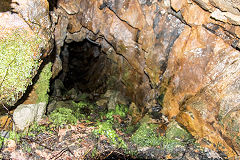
x=120 y=110
x=43 y=83
x=63 y=116
x=147 y=136
x=105 y=128
x=18 y=64
x=108 y=125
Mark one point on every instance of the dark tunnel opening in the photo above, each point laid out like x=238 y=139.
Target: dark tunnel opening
x=84 y=67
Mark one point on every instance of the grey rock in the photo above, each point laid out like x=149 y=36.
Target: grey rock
x=212 y=154
x=59 y=104
x=51 y=106
x=72 y=94
x=58 y=88
x=115 y=97
x=102 y=102
x=25 y=114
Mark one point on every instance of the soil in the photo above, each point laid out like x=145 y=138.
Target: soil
x=78 y=142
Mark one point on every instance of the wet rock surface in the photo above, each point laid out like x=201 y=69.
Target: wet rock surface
x=175 y=60
x=188 y=54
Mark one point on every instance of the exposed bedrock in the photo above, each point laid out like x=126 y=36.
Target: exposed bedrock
x=25 y=39
x=180 y=49
x=180 y=55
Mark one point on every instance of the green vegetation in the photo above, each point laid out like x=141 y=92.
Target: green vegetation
x=13 y=135
x=19 y=62
x=105 y=128
x=63 y=116
x=146 y=135
x=76 y=111
x=43 y=83
x=79 y=111
x=35 y=129
x=176 y=132
x=120 y=110
x=2 y=140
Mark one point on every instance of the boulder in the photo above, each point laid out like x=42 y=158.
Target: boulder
x=25 y=114
x=25 y=38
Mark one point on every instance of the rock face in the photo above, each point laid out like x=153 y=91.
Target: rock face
x=202 y=83
x=138 y=50
x=185 y=52
x=25 y=38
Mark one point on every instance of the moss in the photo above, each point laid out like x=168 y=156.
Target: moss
x=105 y=128
x=18 y=64
x=63 y=116
x=70 y=115
x=82 y=109
x=120 y=110
x=35 y=128
x=174 y=131
x=146 y=135
x=43 y=83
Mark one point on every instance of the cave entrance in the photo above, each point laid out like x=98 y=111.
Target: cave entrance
x=84 y=67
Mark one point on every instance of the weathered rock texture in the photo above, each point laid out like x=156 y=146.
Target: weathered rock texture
x=187 y=51
x=184 y=51
x=34 y=113
x=137 y=45
x=25 y=38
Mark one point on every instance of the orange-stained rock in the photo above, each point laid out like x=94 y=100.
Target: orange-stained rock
x=197 y=71
x=195 y=15
x=205 y=4
x=201 y=84
x=73 y=25
x=166 y=30
x=129 y=11
x=204 y=132
x=177 y=5
x=70 y=7
x=231 y=6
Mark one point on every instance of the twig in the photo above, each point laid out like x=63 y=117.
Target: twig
x=61 y=153
x=6 y=123
x=108 y=155
x=31 y=140
x=8 y=112
x=83 y=157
